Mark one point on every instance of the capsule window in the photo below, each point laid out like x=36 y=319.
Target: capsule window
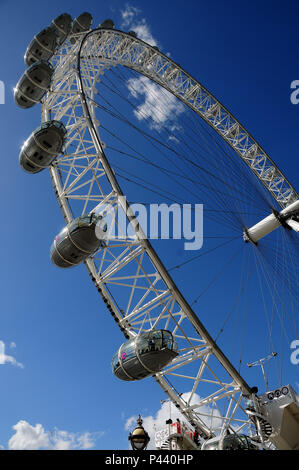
x=37 y=79
x=46 y=144
x=145 y=345
x=128 y=351
x=115 y=362
x=167 y=340
x=30 y=166
x=62 y=235
x=155 y=341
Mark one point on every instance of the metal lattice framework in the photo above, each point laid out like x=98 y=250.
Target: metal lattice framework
x=85 y=182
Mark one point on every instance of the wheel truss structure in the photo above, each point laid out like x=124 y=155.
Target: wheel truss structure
x=84 y=182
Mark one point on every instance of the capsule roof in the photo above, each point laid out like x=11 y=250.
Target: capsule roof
x=62 y=25
x=81 y=23
x=107 y=24
x=230 y=442
x=42 y=46
x=52 y=123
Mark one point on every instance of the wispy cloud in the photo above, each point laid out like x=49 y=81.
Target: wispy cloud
x=143 y=32
x=7 y=359
x=28 y=437
x=159 y=106
x=132 y=19
x=129 y=14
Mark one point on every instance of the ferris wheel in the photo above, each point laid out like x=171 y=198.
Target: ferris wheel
x=78 y=74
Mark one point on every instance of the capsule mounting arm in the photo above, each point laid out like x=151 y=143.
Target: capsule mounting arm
x=272 y=222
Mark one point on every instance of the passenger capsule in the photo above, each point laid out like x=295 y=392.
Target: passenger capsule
x=62 y=26
x=80 y=24
x=78 y=240
x=107 y=24
x=34 y=84
x=230 y=442
x=144 y=355
x=42 y=46
x=43 y=146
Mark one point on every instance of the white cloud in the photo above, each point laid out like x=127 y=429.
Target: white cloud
x=131 y=20
x=143 y=32
x=6 y=359
x=158 y=104
x=28 y=437
x=152 y=424
x=87 y=440
x=12 y=345
x=129 y=14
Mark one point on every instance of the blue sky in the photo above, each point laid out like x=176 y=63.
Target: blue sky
x=54 y=325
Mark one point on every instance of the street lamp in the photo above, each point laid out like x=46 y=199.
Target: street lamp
x=139 y=438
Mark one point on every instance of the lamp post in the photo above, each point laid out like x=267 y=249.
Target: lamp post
x=139 y=438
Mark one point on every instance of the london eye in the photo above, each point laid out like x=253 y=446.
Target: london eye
x=108 y=154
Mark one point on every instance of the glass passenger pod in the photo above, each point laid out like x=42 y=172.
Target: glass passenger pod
x=107 y=24
x=77 y=241
x=34 y=84
x=42 y=46
x=43 y=146
x=62 y=26
x=230 y=442
x=144 y=355
x=80 y=24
